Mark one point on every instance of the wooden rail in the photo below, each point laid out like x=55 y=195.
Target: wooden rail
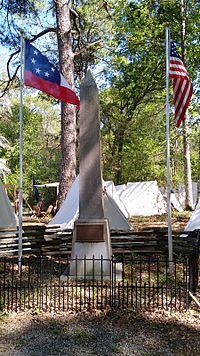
x=51 y=240
x=41 y=240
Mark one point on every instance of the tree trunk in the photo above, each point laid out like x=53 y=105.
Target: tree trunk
x=68 y=114
x=186 y=145
x=187 y=169
x=120 y=144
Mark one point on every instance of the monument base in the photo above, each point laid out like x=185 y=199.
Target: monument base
x=91 y=250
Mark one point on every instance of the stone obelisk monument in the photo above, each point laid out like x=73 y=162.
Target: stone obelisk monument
x=91 y=235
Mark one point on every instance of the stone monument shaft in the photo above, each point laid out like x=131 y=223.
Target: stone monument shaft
x=91 y=235
x=90 y=197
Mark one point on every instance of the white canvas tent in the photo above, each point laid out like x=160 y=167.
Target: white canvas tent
x=142 y=198
x=194 y=222
x=177 y=201
x=113 y=208
x=49 y=185
x=178 y=196
x=7 y=215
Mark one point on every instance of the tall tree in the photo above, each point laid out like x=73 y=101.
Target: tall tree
x=138 y=57
x=78 y=35
x=68 y=114
x=138 y=70
x=186 y=144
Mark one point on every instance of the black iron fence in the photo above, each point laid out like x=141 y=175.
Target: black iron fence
x=51 y=284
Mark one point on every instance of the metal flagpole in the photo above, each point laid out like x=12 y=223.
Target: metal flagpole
x=170 y=249
x=20 y=210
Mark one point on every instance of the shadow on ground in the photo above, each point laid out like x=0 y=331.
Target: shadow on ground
x=121 y=333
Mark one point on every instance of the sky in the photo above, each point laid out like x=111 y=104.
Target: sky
x=4 y=55
x=96 y=71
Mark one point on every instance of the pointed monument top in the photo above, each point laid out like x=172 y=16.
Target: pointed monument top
x=89 y=80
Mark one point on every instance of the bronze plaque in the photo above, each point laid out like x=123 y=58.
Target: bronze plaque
x=90 y=233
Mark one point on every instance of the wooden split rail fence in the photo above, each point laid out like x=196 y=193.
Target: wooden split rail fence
x=51 y=240
x=40 y=240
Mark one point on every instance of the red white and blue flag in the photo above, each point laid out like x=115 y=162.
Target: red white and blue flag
x=182 y=86
x=42 y=75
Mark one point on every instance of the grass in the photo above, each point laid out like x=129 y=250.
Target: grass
x=176 y=216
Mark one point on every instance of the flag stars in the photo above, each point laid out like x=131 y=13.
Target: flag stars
x=174 y=52
x=33 y=60
x=43 y=75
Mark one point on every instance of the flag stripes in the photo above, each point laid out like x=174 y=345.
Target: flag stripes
x=182 y=86
x=43 y=75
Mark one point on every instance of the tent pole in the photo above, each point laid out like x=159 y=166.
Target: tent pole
x=170 y=250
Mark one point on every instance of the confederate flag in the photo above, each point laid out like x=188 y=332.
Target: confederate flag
x=42 y=75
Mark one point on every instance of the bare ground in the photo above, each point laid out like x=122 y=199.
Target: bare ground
x=178 y=220
x=120 y=333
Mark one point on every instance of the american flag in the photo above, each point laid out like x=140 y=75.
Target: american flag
x=182 y=86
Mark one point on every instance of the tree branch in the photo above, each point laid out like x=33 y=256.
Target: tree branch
x=11 y=78
x=85 y=48
x=42 y=33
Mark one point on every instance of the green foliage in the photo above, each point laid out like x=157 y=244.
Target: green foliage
x=129 y=36
x=41 y=136
x=14 y=16
x=143 y=144
x=133 y=108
